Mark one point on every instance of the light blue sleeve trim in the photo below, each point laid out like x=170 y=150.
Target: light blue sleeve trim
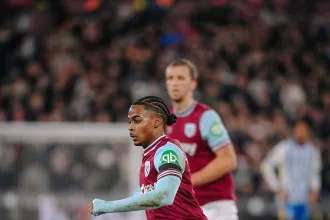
x=213 y=130
x=163 y=195
x=170 y=146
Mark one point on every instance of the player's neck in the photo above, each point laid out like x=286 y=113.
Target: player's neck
x=182 y=105
x=157 y=135
x=300 y=142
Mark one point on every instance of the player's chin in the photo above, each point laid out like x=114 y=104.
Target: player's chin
x=176 y=98
x=137 y=143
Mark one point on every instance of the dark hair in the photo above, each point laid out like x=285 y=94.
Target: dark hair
x=304 y=120
x=157 y=105
x=184 y=62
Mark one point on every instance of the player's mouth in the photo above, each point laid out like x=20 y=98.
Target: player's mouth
x=133 y=137
x=175 y=91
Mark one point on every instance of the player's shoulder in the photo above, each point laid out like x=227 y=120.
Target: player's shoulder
x=285 y=142
x=283 y=145
x=313 y=146
x=171 y=143
x=202 y=107
x=205 y=112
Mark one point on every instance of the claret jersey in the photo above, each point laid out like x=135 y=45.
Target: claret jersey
x=200 y=132
x=162 y=158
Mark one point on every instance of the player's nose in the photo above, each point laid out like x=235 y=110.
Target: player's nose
x=176 y=85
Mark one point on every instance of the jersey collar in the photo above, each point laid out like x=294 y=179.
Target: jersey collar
x=187 y=111
x=153 y=143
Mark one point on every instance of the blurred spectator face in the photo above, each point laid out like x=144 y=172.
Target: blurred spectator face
x=95 y=79
x=114 y=70
x=92 y=32
x=179 y=82
x=19 y=114
x=102 y=117
x=37 y=102
x=20 y=88
x=254 y=152
x=301 y=132
x=242 y=82
x=33 y=69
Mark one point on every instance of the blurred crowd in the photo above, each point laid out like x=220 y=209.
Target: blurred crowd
x=263 y=65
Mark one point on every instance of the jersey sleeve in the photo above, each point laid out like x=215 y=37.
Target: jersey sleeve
x=213 y=130
x=315 y=180
x=274 y=159
x=277 y=155
x=169 y=160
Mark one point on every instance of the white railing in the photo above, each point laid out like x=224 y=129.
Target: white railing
x=72 y=133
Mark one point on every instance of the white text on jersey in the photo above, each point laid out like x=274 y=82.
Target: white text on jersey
x=147 y=188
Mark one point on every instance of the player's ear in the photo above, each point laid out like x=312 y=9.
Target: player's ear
x=157 y=121
x=194 y=85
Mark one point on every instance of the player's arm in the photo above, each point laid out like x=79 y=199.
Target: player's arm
x=170 y=164
x=269 y=164
x=214 y=132
x=137 y=192
x=315 y=181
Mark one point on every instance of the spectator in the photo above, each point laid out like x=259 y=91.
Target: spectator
x=262 y=67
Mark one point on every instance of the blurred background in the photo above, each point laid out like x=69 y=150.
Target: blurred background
x=263 y=64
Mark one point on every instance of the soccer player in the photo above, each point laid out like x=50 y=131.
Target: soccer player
x=205 y=141
x=299 y=164
x=165 y=180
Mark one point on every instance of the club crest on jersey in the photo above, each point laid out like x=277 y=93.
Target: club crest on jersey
x=190 y=129
x=147 y=168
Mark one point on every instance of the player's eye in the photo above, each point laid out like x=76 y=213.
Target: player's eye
x=181 y=77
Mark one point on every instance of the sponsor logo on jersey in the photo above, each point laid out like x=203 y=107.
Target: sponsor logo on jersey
x=169 y=156
x=189 y=148
x=190 y=129
x=216 y=129
x=146 y=168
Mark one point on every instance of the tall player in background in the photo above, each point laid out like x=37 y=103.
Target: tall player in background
x=165 y=180
x=299 y=163
x=205 y=140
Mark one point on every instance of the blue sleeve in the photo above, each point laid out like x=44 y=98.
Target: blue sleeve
x=170 y=163
x=163 y=195
x=137 y=192
x=213 y=131
x=170 y=160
